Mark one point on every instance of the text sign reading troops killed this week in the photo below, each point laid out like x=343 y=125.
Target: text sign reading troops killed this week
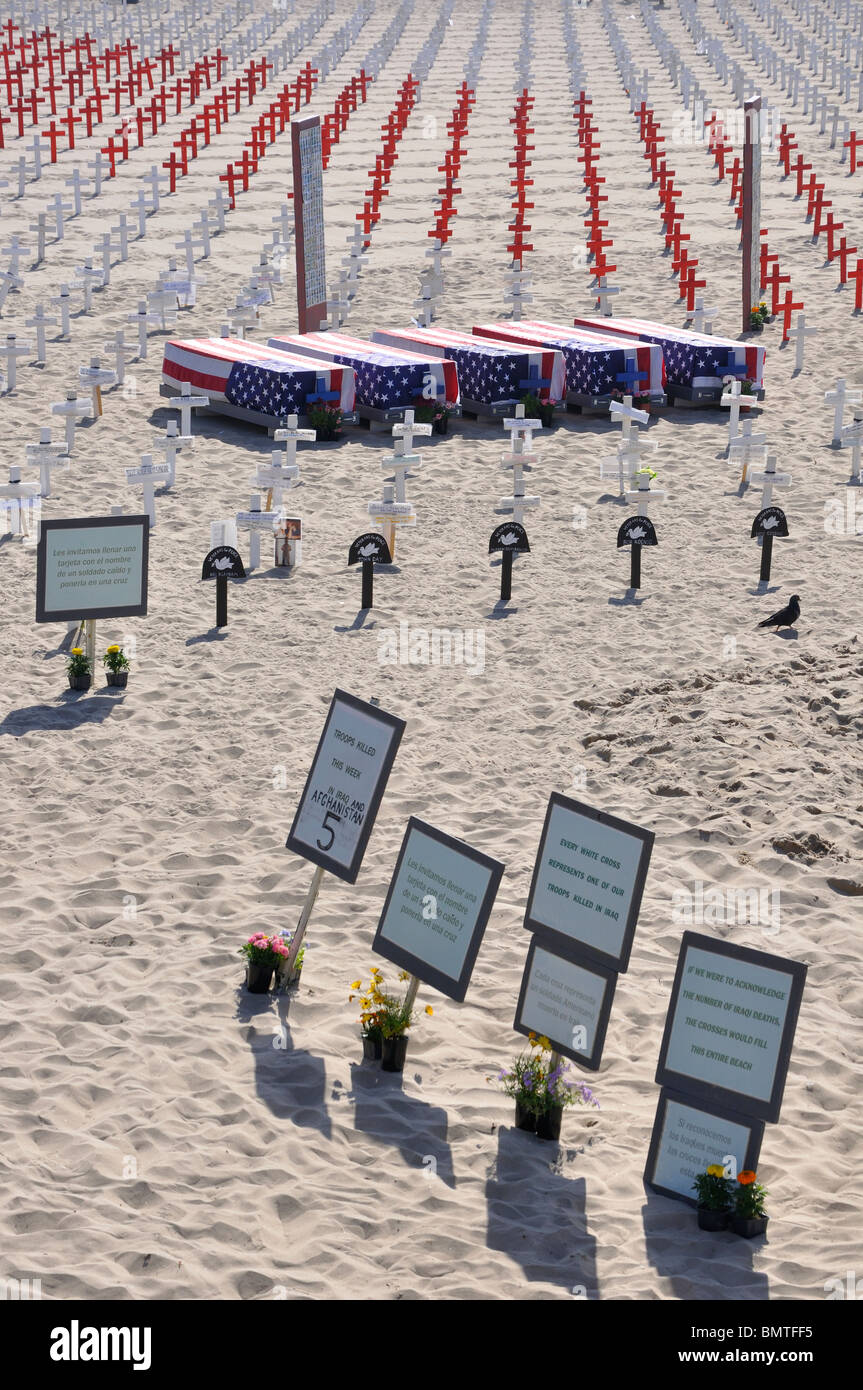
x=687 y=1139
x=730 y=1026
x=345 y=785
x=438 y=903
x=588 y=881
x=92 y=567
x=567 y=1000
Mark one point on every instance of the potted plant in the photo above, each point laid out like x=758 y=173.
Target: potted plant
x=385 y=1022
x=370 y=1002
x=325 y=420
x=291 y=981
x=78 y=669
x=117 y=665
x=534 y=408
x=542 y=1092
x=263 y=953
x=758 y=316
x=433 y=413
x=714 y=1198
x=749 y=1218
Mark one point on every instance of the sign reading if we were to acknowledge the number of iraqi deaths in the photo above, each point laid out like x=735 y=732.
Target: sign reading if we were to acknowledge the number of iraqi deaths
x=588 y=882
x=730 y=1026
x=345 y=785
x=438 y=903
x=92 y=567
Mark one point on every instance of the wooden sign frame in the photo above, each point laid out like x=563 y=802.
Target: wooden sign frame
x=751 y=196
x=75 y=613
x=453 y=987
x=593 y=1056
x=752 y=1148
x=692 y=1085
x=317 y=853
x=562 y=942
x=308 y=176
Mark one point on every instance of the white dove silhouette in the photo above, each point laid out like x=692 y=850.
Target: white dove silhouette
x=371 y=548
x=226 y=563
x=637 y=533
x=769 y=522
x=509 y=539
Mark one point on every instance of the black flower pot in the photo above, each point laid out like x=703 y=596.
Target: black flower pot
x=548 y=1123
x=258 y=978
x=371 y=1049
x=393 y=1052
x=525 y=1119
x=710 y=1220
x=749 y=1226
x=440 y=424
x=80 y=682
x=120 y=678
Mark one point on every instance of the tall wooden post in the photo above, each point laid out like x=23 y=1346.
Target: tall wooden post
x=751 y=209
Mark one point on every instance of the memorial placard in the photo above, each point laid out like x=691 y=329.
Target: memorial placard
x=345 y=785
x=92 y=567
x=308 y=181
x=437 y=906
x=730 y=1026
x=567 y=1000
x=688 y=1137
x=588 y=881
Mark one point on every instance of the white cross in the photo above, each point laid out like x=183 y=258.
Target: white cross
x=702 y=319
x=41 y=231
x=736 y=401
x=147 y=476
x=223 y=533
x=8 y=282
x=437 y=252
x=122 y=231
x=203 y=224
x=355 y=243
x=56 y=208
x=745 y=445
x=36 y=151
x=184 y=289
x=241 y=319
x=267 y=275
x=63 y=300
x=185 y=402
x=389 y=513
x=118 y=347
x=87 y=279
x=39 y=321
x=284 y=223
x=255 y=521
x=96 y=376
x=75 y=184
x=289 y=435
x=220 y=205
x=275 y=476
x=518 y=290
x=140 y=207
x=163 y=306
x=521 y=432
x=839 y=397
x=516 y=505
x=644 y=493
x=852 y=437
x=602 y=292
x=104 y=249
x=188 y=245
x=337 y=309
x=96 y=165
x=404 y=433
x=624 y=463
x=770 y=479
x=425 y=308
x=800 y=333
x=12 y=349
x=73 y=409
x=171 y=443
x=46 y=456
x=154 y=179
x=21 y=506
x=15 y=250
x=626 y=412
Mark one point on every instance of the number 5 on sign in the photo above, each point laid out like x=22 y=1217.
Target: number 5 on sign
x=329 y=830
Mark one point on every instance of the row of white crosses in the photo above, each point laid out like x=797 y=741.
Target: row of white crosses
x=520 y=458
x=148 y=475
x=518 y=287
x=393 y=508
x=431 y=284
x=623 y=466
x=341 y=294
x=847 y=435
x=279 y=475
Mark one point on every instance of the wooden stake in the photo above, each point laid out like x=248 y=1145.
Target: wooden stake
x=506 y=575
x=287 y=967
x=411 y=993
x=367 y=599
x=766 y=556
x=635 y=567
x=221 y=600
x=90 y=639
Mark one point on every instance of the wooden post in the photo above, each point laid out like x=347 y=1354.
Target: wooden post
x=751 y=198
x=90 y=640
x=221 y=600
x=287 y=967
x=766 y=556
x=506 y=575
x=366 y=601
x=411 y=993
x=635 y=567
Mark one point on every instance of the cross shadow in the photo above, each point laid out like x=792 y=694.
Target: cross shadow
x=764 y=587
x=502 y=609
x=73 y=709
x=536 y=1216
x=631 y=599
x=384 y=1112
x=290 y=1081
x=701 y=1265
x=360 y=621
x=215 y=634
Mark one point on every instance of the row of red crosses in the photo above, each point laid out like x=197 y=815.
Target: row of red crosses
x=682 y=264
x=589 y=156
x=769 y=276
x=393 y=130
x=521 y=183
x=457 y=129
x=335 y=122
x=95 y=71
x=817 y=209
x=269 y=125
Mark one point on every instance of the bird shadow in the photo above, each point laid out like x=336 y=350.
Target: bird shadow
x=788 y=634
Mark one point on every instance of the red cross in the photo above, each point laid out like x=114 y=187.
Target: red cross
x=831 y=227
x=172 y=164
x=800 y=168
x=857 y=276
x=773 y=281
x=843 y=252
x=230 y=178
x=789 y=304
x=53 y=134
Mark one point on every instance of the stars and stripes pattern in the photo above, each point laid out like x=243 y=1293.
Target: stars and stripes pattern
x=593 y=362
x=488 y=372
x=254 y=377
x=691 y=359
x=386 y=378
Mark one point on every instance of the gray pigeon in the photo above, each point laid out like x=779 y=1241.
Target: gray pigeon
x=786 y=617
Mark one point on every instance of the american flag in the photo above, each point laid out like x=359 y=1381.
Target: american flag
x=691 y=359
x=487 y=371
x=387 y=379
x=258 y=378
x=592 y=363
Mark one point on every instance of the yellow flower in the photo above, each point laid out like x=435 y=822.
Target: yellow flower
x=716 y=1170
x=544 y=1043
x=404 y=975
x=113 y=648
x=429 y=1009
x=357 y=984
x=77 y=651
